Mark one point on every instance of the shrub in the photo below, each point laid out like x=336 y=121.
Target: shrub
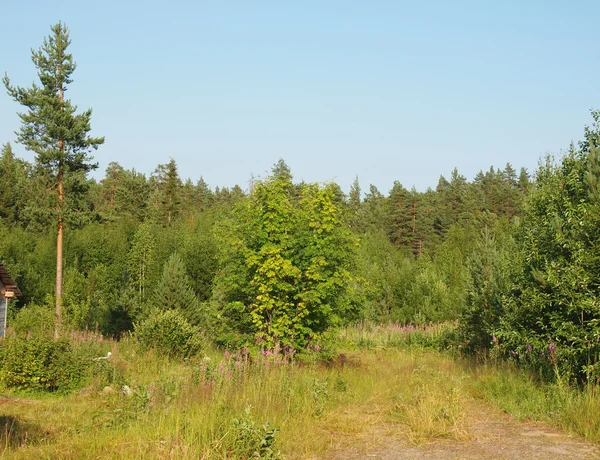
x=251 y=440
x=39 y=363
x=33 y=318
x=170 y=334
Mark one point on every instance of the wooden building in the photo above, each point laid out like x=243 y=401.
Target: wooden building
x=8 y=290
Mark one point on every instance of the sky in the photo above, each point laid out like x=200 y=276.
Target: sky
x=382 y=90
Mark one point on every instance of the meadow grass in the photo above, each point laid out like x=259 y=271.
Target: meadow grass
x=501 y=384
x=519 y=393
x=227 y=405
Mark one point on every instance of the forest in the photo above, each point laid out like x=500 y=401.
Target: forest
x=511 y=258
x=502 y=267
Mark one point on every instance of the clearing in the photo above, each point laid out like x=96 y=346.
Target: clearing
x=394 y=403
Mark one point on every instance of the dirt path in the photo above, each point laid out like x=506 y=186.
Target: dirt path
x=491 y=435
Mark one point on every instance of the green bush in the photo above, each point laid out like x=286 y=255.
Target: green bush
x=38 y=362
x=33 y=318
x=249 y=440
x=170 y=334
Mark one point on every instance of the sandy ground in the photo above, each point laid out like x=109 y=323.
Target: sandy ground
x=491 y=435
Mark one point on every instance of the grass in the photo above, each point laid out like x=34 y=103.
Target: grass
x=572 y=409
x=228 y=406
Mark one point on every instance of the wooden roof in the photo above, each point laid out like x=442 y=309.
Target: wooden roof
x=7 y=280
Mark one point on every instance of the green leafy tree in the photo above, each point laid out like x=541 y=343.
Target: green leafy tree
x=287 y=263
x=551 y=312
x=54 y=131
x=140 y=262
x=268 y=255
x=384 y=274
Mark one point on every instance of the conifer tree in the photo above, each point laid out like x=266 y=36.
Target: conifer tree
x=401 y=225
x=54 y=132
x=354 y=197
x=510 y=190
x=168 y=188
x=7 y=196
x=188 y=195
x=133 y=195
x=111 y=184
x=282 y=171
x=524 y=180
x=373 y=215
x=204 y=195
x=174 y=291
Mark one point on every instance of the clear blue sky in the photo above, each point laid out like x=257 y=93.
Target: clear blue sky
x=386 y=90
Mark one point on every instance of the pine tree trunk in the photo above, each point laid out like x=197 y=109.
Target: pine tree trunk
x=59 y=239
x=59 y=261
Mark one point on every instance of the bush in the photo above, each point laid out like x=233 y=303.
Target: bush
x=170 y=334
x=39 y=363
x=251 y=440
x=33 y=319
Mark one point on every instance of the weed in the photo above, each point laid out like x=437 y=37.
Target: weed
x=320 y=394
x=251 y=440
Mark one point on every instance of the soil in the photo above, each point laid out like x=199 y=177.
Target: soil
x=492 y=434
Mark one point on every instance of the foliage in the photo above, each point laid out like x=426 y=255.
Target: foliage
x=37 y=362
x=33 y=319
x=166 y=195
x=548 y=315
x=372 y=336
x=489 y=267
x=174 y=291
x=252 y=441
x=288 y=261
x=170 y=334
x=58 y=137
x=50 y=127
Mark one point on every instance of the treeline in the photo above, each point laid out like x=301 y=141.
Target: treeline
x=134 y=243
x=513 y=260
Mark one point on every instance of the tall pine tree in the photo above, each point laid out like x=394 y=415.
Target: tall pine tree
x=51 y=128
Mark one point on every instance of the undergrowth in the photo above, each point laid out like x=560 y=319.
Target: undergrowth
x=141 y=404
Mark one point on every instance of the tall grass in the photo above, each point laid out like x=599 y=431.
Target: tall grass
x=226 y=405
x=571 y=408
x=367 y=335
x=238 y=405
